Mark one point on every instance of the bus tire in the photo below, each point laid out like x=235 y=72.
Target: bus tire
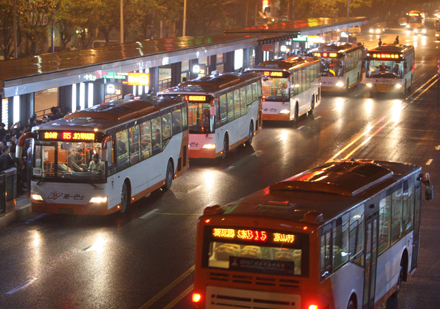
x=125 y=198
x=312 y=105
x=347 y=87
x=358 y=80
x=351 y=304
x=168 y=177
x=296 y=112
x=225 y=147
x=251 y=134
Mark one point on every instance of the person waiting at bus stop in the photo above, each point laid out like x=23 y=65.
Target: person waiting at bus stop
x=76 y=161
x=96 y=165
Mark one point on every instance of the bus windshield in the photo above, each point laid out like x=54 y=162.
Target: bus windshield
x=275 y=89
x=68 y=161
x=332 y=67
x=414 y=19
x=199 y=118
x=282 y=258
x=384 y=69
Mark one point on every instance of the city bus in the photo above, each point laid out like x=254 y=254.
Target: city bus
x=224 y=111
x=341 y=65
x=341 y=235
x=142 y=144
x=390 y=68
x=437 y=29
x=415 y=19
x=290 y=87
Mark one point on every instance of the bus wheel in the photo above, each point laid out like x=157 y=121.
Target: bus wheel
x=351 y=304
x=347 y=86
x=296 y=112
x=125 y=199
x=312 y=105
x=225 y=147
x=168 y=177
x=358 y=80
x=251 y=134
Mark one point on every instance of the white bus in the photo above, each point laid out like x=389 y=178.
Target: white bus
x=345 y=234
x=291 y=87
x=224 y=111
x=390 y=68
x=142 y=144
x=341 y=65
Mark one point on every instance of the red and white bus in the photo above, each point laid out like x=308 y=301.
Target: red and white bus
x=142 y=145
x=291 y=87
x=224 y=111
x=341 y=235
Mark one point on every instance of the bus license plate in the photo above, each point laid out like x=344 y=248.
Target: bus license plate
x=68 y=211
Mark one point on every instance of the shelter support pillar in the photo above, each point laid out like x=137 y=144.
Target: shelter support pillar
x=258 y=54
x=176 y=72
x=154 y=80
x=229 y=63
x=65 y=98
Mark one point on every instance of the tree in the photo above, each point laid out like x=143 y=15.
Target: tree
x=35 y=18
x=107 y=13
x=6 y=25
x=86 y=20
x=67 y=17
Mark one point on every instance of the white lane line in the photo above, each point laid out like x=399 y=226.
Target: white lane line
x=318 y=117
x=300 y=127
x=257 y=153
x=429 y=162
x=149 y=213
x=35 y=218
x=193 y=189
x=228 y=169
x=21 y=286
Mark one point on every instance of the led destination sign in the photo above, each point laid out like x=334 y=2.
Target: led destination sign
x=326 y=55
x=253 y=235
x=67 y=136
x=197 y=98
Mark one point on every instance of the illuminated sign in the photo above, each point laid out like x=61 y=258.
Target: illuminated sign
x=253 y=235
x=279 y=237
x=69 y=136
x=326 y=55
x=114 y=75
x=195 y=98
x=315 y=39
x=273 y=74
x=137 y=79
x=386 y=56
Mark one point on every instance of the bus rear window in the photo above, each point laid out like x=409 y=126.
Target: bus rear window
x=268 y=256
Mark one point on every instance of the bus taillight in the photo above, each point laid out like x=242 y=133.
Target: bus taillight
x=196 y=297
x=313 y=307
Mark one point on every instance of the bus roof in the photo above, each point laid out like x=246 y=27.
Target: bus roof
x=325 y=191
x=335 y=47
x=212 y=83
x=110 y=114
x=394 y=48
x=283 y=64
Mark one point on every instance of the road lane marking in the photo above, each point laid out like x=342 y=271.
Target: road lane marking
x=429 y=162
x=21 y=286
x=257 y=153
x=180 y=297
x=228 y=169
x=149 y=213
x=300 y=127
x=35 y=218
x=318 y=117
x=193 y=189
x=168 y=288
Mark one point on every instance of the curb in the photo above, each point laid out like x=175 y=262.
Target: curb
x=16 y=210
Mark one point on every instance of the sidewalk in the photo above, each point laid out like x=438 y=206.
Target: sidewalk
x=16 y=210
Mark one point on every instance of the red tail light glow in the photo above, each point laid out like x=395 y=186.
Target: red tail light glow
x=313 y=307
x=196 y=297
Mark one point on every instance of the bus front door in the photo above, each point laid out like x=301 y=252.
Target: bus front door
x=417 y=216
x=371 y=230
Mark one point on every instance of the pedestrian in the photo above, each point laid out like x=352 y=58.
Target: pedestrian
x=4 y=165
x=380 y=42
x=396 y=41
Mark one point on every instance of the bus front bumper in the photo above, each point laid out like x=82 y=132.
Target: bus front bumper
x=277 y=117
x=385 y=87
x=72 y=209
x=204 y=154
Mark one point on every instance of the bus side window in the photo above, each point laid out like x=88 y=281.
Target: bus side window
x=145 y=140
x=396 y=214
x=384 y=221
x=177 y=119
x=237 y=103
x=223 y=109
x=230 y=107
x=408 y=200
x=156 y=135
x=134 y=144
x=340 y=241
x=259 y=88
x=326 y=258
x=249 y=94
x=122 y=149
x=185 y=118
x=254 y=91
x=166 y=126
x=243 y=99
x=357 y=234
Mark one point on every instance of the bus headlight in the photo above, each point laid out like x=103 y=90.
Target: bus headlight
x=340 y=84
x=371 y=30
x=424 y=31
x=377 y=30
x=407 y=25
x=369 y=85
x=436 y=34
x=98 y=199
x=398 y=86
x=209 y=146
x=285 y=111
x=415 y=30
x=36 y=197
